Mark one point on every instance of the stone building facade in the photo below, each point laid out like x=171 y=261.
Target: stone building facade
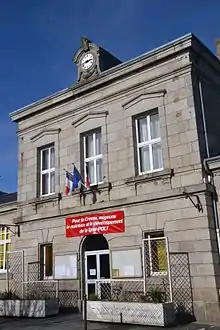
x=8 y=213
x=150 y=122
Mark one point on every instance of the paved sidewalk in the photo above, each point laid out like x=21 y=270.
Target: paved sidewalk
x=74 y=322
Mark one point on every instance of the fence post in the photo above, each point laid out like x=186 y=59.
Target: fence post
x=57 y=290
x=22 y=284
x=7 y=272
x=85 y=311
x=144 y=263
x=169 y=270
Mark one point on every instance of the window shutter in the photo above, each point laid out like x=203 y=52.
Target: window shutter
x=41 y=262
x=2 y=256
x=161 y=256
x=49 y=260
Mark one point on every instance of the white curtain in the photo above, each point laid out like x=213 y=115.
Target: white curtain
x=142 y=130
x=144 y=159
x=154 y=126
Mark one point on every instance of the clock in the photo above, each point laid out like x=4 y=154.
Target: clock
x=91 y=60
x=87 y=61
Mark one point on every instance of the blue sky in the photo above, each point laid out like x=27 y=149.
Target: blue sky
x=38 y=39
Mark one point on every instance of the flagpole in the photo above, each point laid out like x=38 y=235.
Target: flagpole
x=80 y=180
x=83 y=184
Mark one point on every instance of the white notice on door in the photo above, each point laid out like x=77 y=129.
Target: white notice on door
x=92 y=272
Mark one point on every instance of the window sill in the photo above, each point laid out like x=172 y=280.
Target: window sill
x=95 y=188
x=46 y=199
x=166 y=173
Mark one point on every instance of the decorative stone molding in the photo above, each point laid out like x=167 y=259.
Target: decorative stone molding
x=93 y=192
x=144 y=96
x=89 y=115
x=51 y=131
x=35 y=202
x=166 y=173
x=212 y=164
x=45 y=199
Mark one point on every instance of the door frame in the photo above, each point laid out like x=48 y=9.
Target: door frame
x=97 y=253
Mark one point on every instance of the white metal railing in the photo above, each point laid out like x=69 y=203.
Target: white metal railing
x=41 y=289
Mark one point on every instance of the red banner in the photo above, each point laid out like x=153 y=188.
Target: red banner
x=99 y=223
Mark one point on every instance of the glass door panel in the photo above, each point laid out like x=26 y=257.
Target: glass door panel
x=91 y=290
x=91 y=267
x=104 y=266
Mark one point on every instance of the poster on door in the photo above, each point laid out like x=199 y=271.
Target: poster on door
x=99 y=223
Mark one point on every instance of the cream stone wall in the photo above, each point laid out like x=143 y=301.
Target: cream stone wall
x=162 y=80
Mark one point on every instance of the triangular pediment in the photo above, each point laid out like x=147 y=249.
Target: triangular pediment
x=90 y=115
x=144 y=96
x=51 y=131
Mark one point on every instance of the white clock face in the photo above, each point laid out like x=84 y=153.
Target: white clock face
x=87 y=61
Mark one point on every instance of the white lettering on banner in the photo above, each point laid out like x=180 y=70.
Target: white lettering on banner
x=105 y=217
x=105 y=223
x=101 y=217
x=98 y=223
x=94 y=229
x=90 y=218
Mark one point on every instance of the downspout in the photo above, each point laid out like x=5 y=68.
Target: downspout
x=214 y=204
x=203 y=120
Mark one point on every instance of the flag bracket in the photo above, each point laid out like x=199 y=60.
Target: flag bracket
x=15 y=230
x=195 y=200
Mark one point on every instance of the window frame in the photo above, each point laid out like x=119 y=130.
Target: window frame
x=42 y=258
x=49 y=170
x=150 y=236
x=4 y=242
x=150 y=142
x=94 y=158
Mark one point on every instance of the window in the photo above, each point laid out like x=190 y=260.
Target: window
x=157 y=253
x=46 y=260
x=5 y=243
x=126 y=263
x=47 y=171
x=149 y=153
x=65 y=266
x=93 y=158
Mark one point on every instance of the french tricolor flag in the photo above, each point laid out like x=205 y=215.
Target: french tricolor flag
x=72 y=180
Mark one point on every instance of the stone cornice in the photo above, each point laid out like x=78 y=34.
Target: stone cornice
x=118 y=72
x=212 y=164
x=50 y=131
x=8 y=208
x=150 y=83
x=87 y=116
x=123 y=202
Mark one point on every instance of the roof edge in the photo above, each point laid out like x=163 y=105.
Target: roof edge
x=65 y=93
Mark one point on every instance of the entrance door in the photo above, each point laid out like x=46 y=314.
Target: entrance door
x=96 y=269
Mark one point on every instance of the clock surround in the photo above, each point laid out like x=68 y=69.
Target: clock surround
x=91 y=60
